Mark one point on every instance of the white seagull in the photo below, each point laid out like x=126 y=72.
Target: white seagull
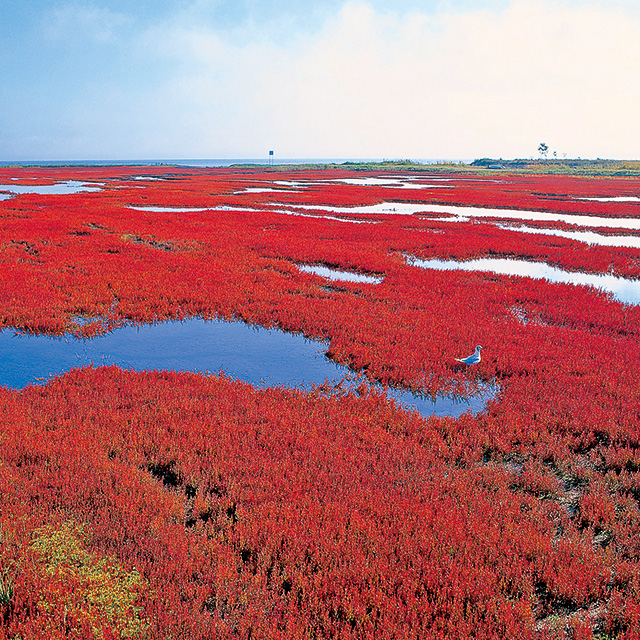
x=474 y=358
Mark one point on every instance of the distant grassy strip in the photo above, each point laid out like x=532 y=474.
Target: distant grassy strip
x=482 y=166
x=488 y=166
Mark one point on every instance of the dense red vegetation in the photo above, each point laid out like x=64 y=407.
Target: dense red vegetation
x=280 y=514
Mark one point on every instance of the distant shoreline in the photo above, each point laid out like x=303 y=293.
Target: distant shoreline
x=565 y=166
x=225 y=162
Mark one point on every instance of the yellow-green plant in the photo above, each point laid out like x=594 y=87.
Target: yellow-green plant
x=6 y=588
x=101 y=593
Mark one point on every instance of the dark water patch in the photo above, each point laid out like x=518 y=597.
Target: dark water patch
x=259 y=356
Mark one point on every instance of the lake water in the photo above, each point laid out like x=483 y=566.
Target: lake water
x=622 y=289
x=259 y=356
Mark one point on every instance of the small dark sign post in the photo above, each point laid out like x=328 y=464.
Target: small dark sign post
x=270 y=157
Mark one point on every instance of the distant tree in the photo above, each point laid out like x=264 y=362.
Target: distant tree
x=543 y=149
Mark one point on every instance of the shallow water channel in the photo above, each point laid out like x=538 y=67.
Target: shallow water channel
x=588 y=237
x=259 y=356
x=337 y=275
x=622 y=289
x=395 y=183
x=464 y=212
x=59 y=188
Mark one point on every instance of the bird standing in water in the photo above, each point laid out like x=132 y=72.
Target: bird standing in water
x=474 y=358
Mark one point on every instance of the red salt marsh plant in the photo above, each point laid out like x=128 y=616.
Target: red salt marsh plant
x=326 y=520
x=281 y=514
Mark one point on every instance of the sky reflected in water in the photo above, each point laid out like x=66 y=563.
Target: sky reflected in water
x=410 y=208
x=336 y=275
x=588 y=237
x=622 y=289
x=259 y=356
x=60 y=188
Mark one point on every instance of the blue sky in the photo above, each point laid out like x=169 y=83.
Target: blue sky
x=154 y=79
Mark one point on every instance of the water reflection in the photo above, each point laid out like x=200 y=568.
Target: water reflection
x=170 y=209
x=588 y=237
x=225 y=207
x=395 y=183
x=296 y=184
x=410 y=208
x=262 y=190
x=259 y=356
x=60 y=188
x=622 y=289
x=613 y=199
x=336 y=275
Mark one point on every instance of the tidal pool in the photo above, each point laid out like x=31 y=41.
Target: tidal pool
x=296 y=184
x=259 y=356
x=613 y=199
x=170 y=209
x=410 y=208
x=622 y=289
x=588 y=237
x=260 y=190
x=60 y=188
x=397 y=183
x=336 y=275
x=225 y=207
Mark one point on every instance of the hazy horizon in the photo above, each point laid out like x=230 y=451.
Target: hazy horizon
x=412 y=79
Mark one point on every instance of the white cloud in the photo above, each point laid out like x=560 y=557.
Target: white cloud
x=460 y=83
x=83 y=22
x=374 y=84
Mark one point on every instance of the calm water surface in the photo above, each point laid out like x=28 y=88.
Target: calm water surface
x=395 y=183
x=226 y=207
x=336 y=275
x=613 y=199
x=60 y=188
x=407 y=208
x=588 y=237
x=259 y=356
x=622 y=289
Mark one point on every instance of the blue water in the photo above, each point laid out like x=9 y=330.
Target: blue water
x=259 y=356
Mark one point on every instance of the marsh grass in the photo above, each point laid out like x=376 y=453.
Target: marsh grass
x=6 y=588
